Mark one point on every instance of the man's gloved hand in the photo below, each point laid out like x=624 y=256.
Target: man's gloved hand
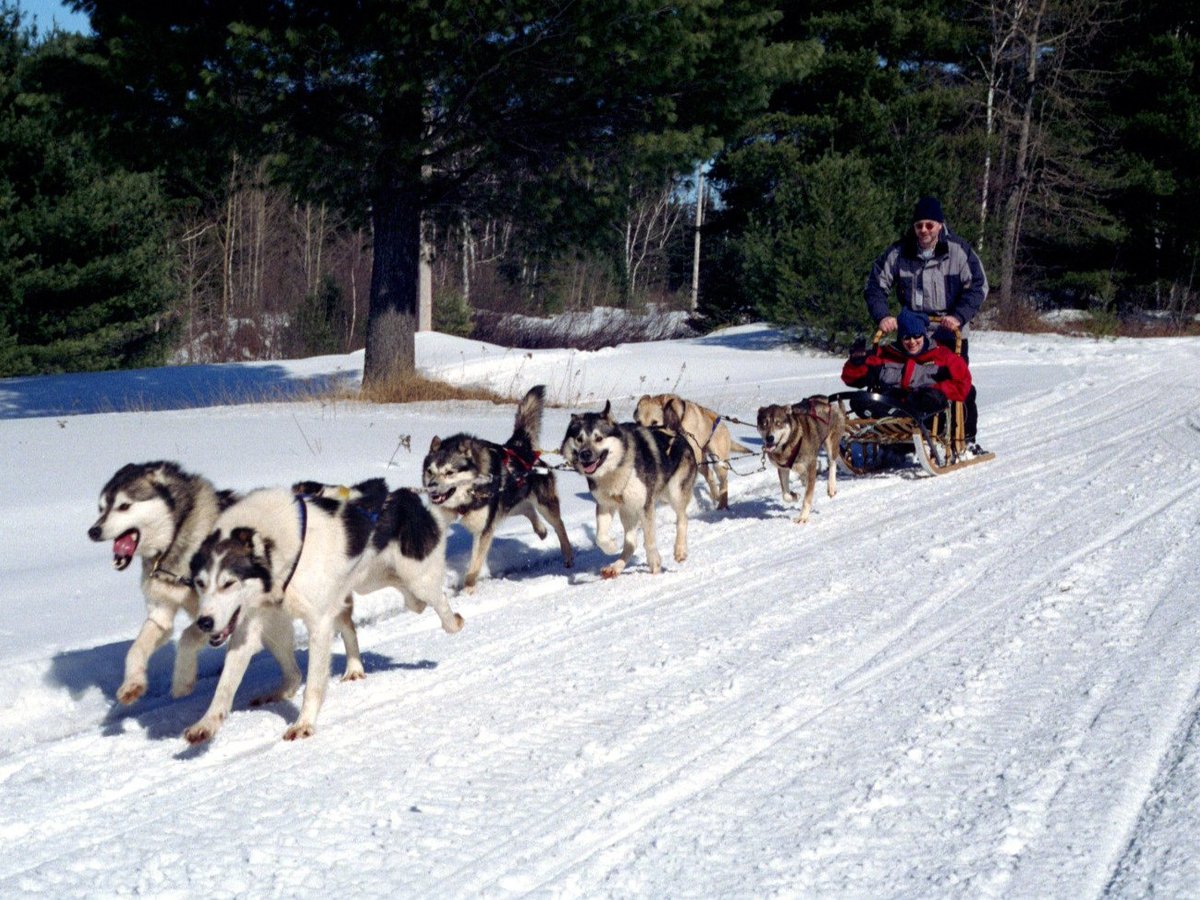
x=858 y=351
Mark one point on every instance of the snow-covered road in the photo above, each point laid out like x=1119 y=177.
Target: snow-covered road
x=983 y=684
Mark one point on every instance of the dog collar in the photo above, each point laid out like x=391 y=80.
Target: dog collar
x=169 y=577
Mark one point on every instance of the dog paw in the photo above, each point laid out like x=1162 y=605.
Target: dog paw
x=790 y=497
x=131 y=690
x=680 y=556
x=299 y=731
x=182 y=689
x=540 y=531
x=613 y=570
x=354 y=675
x=454 y=626
x=801 y=519
x=202 y=731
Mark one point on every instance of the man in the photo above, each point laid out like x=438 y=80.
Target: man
x=935 y=272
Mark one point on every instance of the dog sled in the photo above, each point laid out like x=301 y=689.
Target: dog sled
x=879 y=432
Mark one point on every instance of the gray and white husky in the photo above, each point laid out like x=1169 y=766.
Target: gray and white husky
x=629 y=468
x=480 y=484
x=276 y=556
x=160 y=513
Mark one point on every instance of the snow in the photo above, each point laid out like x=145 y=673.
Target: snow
x=984 y=684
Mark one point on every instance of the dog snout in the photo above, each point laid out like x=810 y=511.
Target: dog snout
x=585 y=455
x=205 y=624
x=94 y=532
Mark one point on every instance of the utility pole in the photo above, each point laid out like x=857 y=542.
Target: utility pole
x=696 y=244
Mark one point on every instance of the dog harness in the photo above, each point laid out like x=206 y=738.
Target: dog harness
x=527 y=466
x=303 y=510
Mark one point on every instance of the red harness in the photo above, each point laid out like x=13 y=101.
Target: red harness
x=526 y=465
x=808 y=411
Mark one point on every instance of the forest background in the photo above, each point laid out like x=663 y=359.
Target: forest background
x=220 y=179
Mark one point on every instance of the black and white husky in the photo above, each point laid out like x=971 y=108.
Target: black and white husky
x=276 y=556
x=480 y=484
x=160 y=513
x=629 y=468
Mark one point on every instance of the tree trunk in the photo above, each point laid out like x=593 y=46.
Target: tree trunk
x=425 y=291
x=395 y=274
x=1014 y=206
x=695 y=295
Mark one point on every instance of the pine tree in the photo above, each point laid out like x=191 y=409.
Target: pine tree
x=538 y=108
x=84 y=275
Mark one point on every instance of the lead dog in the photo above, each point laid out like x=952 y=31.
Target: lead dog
x=706 y=434
x=629 y=468
x=481 y=484
x=791 y=437
x=276 y=556
x=160 y=513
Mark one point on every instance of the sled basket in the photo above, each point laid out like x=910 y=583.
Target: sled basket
x=879 y=433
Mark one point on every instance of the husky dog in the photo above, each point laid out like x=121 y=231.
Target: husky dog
x=792 y=435
x=408 y=552
x=276 y=556
x=407 y=549
x=161 y=513
x=629 y=468
x=365 y=499
x=705 y=432
x=481 y=483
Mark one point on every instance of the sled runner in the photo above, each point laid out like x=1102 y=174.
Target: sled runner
x=879 y=431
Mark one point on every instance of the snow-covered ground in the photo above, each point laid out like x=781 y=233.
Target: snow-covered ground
x=983 y=684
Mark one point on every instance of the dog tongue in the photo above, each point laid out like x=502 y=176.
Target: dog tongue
x=126 y=545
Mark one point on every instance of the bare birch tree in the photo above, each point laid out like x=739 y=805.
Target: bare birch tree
x=1035 y=80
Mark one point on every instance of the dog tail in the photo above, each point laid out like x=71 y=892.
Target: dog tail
x=528 y=423
x=738 y=448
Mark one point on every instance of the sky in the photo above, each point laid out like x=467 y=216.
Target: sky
x=50 y=12
x=981 y=684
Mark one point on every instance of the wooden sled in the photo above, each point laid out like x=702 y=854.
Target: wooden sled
x=878 y=432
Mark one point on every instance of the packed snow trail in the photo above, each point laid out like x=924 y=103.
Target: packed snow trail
x=983 y=684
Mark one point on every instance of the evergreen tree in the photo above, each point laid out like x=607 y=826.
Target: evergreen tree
x=536 y=107
x=84 y=274
x=815 y=188
x=1154 y=116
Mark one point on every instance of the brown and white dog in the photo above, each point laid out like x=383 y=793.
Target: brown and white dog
x=704 y=431
x=792 y=436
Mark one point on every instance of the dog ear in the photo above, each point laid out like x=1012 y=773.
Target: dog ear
x=434 y=444
x=607 y=410
x=672 y=416
x=244 y=536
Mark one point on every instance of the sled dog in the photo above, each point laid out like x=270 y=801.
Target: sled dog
x=407 y=552
x=480 y=483
x=276 y=556
x=791 y=437
x=704 y=431
x=629 y=468
x=160 y=513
